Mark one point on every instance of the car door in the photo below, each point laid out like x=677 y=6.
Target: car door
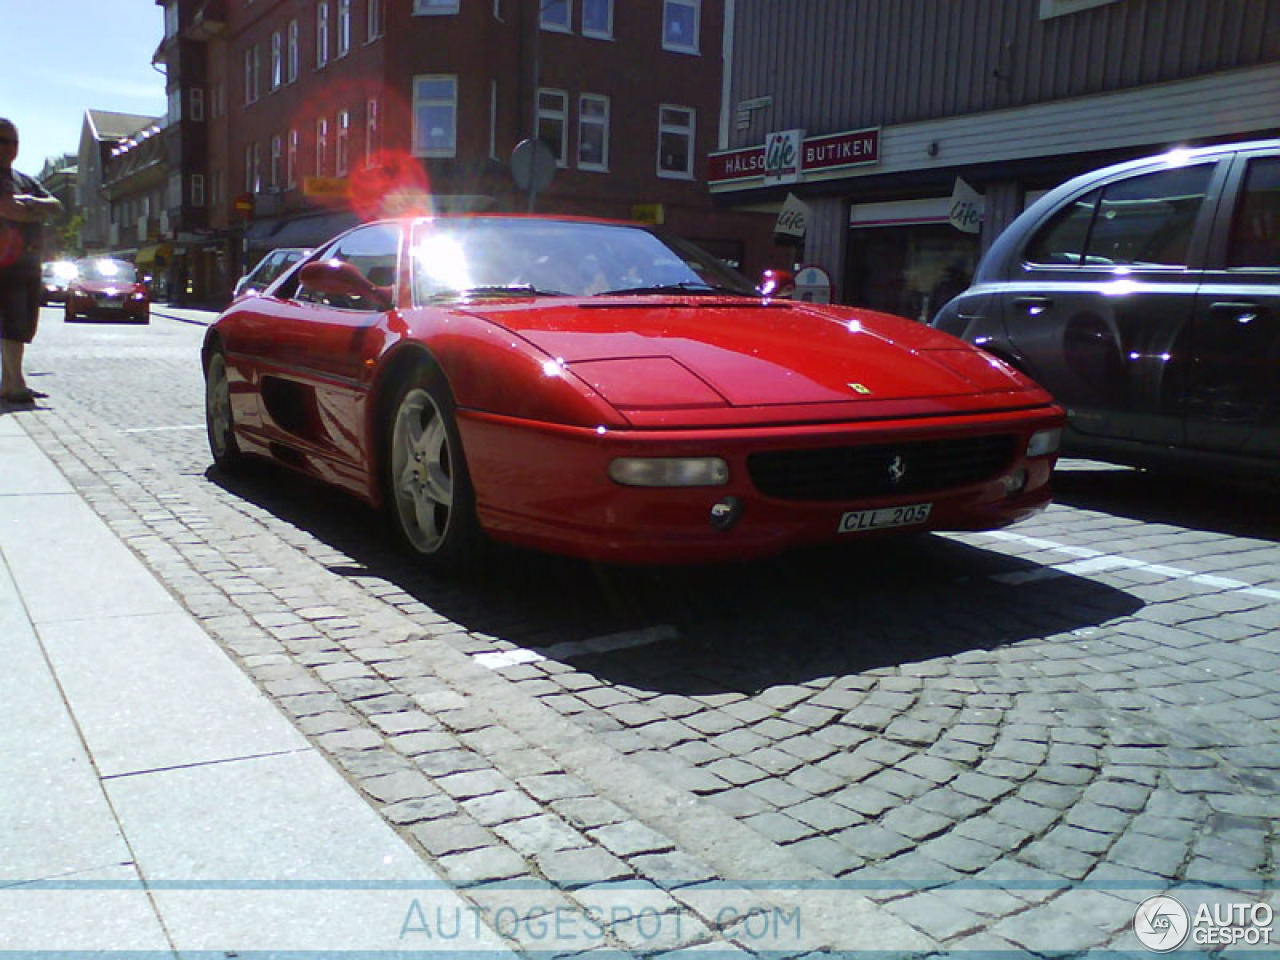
x=313 y=396
x=1101 y=299
x=1233 y=399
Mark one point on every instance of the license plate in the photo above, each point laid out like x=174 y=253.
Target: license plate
x=858 y=520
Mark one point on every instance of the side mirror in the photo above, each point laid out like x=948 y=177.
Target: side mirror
x=338 y=278
x=777 y=283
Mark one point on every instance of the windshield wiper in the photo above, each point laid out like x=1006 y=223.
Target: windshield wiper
x=497 y=290
x=684 y=287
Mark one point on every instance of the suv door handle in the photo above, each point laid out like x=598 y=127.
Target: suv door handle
x=1033 y=306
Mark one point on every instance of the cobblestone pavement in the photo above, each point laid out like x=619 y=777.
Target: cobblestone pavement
x=998 y=741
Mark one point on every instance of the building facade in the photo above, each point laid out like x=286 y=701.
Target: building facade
x=908 y=133
x=101 y=133
x=317 y=115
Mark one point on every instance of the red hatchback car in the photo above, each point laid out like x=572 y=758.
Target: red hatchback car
x=108 y=288
x=602 y=390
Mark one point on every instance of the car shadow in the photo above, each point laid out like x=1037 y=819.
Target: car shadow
x=737 y=627
x=1232 y=508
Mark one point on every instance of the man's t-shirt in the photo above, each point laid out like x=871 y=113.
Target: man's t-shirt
x=19 y=240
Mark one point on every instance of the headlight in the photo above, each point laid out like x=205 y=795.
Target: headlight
x=669 y=471
x=1044 y=442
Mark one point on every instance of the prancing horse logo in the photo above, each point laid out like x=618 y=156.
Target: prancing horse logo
x=897 y=470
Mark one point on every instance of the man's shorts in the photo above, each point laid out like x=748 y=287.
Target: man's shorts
x=19 y=306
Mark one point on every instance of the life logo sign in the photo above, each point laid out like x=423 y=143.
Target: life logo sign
x=782 y=156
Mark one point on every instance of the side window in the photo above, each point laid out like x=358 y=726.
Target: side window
x=374 y=251
x=1255 y=231
x=1149 y=219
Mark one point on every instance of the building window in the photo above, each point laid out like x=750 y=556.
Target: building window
x=175 y=104
x=373 y=22
x=680 y=23
x=372 y=132
x=277 y=60
x=553 y=128
x=556 y=15
x=322 y=146
x=197 y=104
x=322 y=35
x=593 y=132
x=675 y=142
x=427 y=8
x=343 y=145
x=292 y=73
x=344 y=27
x=197 y=189
x=252 y=168
x=597 y=19
x=252 y=69
x=217 y=100
x=435 y=116
x=277 y=151
x=291 y=161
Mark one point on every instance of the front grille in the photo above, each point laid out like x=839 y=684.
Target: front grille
x=851 y=473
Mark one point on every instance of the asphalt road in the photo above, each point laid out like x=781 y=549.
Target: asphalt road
x=1005 y=741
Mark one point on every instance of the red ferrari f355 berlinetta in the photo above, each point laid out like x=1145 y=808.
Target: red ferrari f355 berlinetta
x=602 y=390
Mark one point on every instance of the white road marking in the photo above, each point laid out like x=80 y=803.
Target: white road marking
x=500 y=659
x=1094 y=561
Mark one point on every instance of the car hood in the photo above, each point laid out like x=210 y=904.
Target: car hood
x=646 y=352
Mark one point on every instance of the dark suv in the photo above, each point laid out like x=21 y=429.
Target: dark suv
x=1146 y=297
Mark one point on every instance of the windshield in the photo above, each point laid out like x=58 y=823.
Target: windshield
x=107 y=271
x=494 y=256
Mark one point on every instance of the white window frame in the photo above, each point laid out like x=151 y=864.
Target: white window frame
x=291 y=160
x=599 y=33
x=556 y=26
x=342 y=144
x=277 y=156
x=322 y=145
x=372 y=131
x=434 y=8
x=690 y=131
x=374 y=25
x=250 y=94
x=277 y=61
x=293 y=61
x=322 y=34
x=602 y=122
x=197 y=189
x=562 y=114
x=195 y=101
x=677 y=46
x=344 y=29
x=451 y=103
x=250 y=162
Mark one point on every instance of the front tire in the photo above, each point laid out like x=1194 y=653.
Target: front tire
x=429 y=497
x=218 y=416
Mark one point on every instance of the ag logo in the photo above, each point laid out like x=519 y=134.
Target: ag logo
x=1161 y=924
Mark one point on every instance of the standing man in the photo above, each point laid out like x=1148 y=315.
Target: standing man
x=24 y=204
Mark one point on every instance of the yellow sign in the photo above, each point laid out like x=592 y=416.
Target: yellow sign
x=648 y=213
x=325 y=186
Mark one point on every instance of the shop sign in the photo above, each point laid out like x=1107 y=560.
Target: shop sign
x=325 y=186
x=813 y=285
x=833 y=151
x=966 y=209
x=793 y=218
x=782 y=156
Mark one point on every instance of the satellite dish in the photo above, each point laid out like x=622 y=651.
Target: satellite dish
x=532 y=165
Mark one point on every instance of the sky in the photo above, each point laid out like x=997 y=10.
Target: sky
x=59 y=58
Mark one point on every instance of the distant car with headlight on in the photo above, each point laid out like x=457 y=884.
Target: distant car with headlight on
x=608 y=391
x=107 y=288
x=55 y=277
